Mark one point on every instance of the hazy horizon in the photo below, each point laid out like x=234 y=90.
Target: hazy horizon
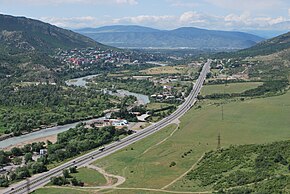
x=239 y=15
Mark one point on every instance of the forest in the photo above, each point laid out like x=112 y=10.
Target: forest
x=69 y=144
x=24 y=108
x=245 y=169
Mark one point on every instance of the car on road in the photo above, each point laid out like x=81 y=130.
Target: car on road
x=102 y=148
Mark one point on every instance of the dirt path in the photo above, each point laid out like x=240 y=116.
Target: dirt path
x=109 y=178
x=123 y=188
x=174 y=181
x=162 y=191
x=162 y=141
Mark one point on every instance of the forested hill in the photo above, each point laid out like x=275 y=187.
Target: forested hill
x=26 y=47
x=270 y=46
x=144 y=37
x=24 y=34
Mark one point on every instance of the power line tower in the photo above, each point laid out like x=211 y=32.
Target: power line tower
x=219 y=141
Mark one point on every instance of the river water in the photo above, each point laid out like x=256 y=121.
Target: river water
x=142 y=99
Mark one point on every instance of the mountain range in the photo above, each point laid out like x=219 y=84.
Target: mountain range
x=185 y=37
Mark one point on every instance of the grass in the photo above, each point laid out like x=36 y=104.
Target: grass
x=90 y=177
x=230 y=88
x=59 y=190
x=166 y=70
x=155 y=106
x=250 y=122
x=132 y=191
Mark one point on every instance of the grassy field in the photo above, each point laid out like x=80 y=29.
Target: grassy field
x=169 y=70
x=155 y=106
x=230 y=88
x=258 y=168
x=58 y=190
x=252 y=121
x=90 y=177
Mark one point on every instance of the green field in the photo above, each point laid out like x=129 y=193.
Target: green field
x=253 y=121
x=229 y=88
x=157 y=105
x=59 y=190
x=90 y=177
x=181 y=69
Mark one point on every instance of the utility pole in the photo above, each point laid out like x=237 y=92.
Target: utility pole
x=219 y=142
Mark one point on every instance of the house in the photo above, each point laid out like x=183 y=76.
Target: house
x=118 y=123
x=143 y=117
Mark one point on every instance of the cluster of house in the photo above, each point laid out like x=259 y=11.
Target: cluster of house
x=118 y=123
x=79 y=57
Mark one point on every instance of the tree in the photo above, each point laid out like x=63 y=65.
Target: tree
x=38 y=167
x=73 y=169
x=16 y=151
x=22 y=172
x=12 y=176
x=66 y=174
x=27 y=148
x=4 y=182
x=74 y=181
x=58 y=181
x=28 y=157
x=17 y=161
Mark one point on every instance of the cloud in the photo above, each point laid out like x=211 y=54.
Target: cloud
x=57 y=2
x=74 y=22
x=148 y=20
x=180 y=3
x=249 y=5
x=245 y=20
x=232 y=21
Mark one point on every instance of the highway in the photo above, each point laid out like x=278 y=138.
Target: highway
x=42 y=179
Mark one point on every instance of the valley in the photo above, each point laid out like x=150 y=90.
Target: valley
x=187 y=110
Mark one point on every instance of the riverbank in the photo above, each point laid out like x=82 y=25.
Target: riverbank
x=51 y=138
x=9 y=140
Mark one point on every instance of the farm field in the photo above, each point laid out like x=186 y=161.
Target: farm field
x=60 y=190
x=156 y=105
x=230 y=88
x=169 y=70
x=146 y=165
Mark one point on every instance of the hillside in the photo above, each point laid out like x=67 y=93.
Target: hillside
x=26 y=45
x=273 y=45
x=143 y=37
x=26 y=34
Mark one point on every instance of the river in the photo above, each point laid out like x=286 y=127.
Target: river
x=82 y=81
x=142 y=99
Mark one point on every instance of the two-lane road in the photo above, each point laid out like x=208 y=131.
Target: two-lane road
x=40 y=180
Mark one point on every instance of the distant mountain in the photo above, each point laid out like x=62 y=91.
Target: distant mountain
x=118 y=28
x=143 y=37
x=27 y=35
x=267 y=34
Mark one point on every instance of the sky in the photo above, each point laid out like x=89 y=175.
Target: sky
x=162 y=14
